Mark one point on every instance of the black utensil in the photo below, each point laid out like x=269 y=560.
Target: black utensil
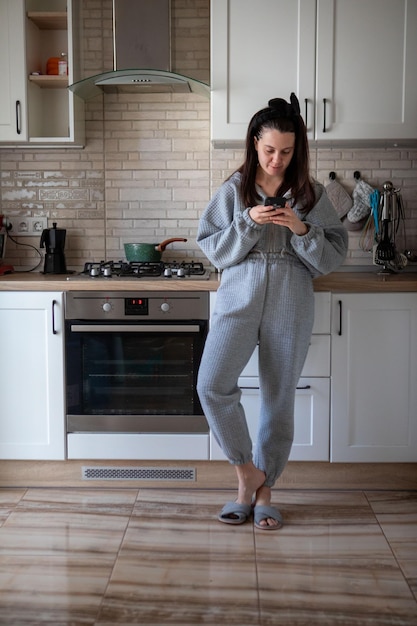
x=385 y=250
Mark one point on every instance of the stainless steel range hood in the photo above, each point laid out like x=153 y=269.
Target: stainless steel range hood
x=141 y=54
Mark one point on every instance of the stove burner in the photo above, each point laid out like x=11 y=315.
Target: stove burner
x=148 y=269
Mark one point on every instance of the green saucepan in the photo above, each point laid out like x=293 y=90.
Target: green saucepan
x=147 y=252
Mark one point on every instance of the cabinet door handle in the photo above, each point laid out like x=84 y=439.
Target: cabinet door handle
x=340 y=318
x=54 y=303
x=18 y=117
x=304 y=387
x=324 y=115
x=306 y=112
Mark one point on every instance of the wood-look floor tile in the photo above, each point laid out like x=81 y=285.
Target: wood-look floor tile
x=396 y=513
x=97 y=557
x=322 y=507
x=330 y=540
x=194 y=539
x=61 y=591
x=102 y=501
x=170 y=584
x=334 y=592
x=53 y=533
x=197 y=504
x=183 y=591
x=9 y=499
x=179 y=565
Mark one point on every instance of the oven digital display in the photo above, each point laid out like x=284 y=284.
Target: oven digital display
x=136 y=306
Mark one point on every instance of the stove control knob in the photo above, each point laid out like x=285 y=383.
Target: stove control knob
x=107 y=272
x=181 y=272
x=94 y=271
x=165 y=307
x=167 y=272
x=106 y=307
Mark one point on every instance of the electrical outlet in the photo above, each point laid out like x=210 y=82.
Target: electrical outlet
x=26 y=226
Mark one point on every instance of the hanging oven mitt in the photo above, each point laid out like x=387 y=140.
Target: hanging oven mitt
x=338 y=196
x=361 y=200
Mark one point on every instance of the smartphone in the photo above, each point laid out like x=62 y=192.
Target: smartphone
x=277 y=202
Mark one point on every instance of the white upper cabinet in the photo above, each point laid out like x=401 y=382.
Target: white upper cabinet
x=36 y=107
x=366 y=56
x=350 y=62
x=13 y=117
x=259 y=50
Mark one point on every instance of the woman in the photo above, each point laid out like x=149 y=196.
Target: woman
x=269 y=257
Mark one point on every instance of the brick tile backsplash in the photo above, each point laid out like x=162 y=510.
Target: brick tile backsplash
x=148 y=168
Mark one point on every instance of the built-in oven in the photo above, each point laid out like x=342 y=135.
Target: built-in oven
x=131 y=365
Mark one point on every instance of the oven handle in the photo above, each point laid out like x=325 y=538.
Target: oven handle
x=136 y=328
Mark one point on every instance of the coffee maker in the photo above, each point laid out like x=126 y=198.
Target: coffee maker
x=4 y=269
x=53 y=239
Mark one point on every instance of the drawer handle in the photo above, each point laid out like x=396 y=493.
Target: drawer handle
x=324 y=115
x=340 y=318
x=54 y=303
x=18 y=116
x=304 y=387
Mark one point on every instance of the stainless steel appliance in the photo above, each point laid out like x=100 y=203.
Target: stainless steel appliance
x=141 y=40
x=131 y=361
x=142 y=270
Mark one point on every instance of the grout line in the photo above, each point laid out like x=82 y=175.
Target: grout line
x=258 y=595
x=390 y=547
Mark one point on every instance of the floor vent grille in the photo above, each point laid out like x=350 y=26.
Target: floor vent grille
x=139 y=473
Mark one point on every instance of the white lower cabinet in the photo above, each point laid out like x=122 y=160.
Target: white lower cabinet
x=13 y=99
x=374 y=377
x=357 y=397
x=32 y=376
x=312 y=401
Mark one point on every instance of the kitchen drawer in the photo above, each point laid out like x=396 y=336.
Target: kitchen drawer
x=317 y=362
x=311 y=419
x=322 y=311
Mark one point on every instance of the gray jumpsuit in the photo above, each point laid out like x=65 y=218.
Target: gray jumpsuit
x=266 y=297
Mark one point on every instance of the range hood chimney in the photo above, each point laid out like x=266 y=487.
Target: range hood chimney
x=141 y=54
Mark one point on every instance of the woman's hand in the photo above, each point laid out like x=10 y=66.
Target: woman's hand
x=280 y=216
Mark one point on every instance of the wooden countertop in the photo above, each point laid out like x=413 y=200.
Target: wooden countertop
x=337 y=282
x=366 y=282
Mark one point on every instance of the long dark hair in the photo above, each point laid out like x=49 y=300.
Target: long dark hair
x=284 y=117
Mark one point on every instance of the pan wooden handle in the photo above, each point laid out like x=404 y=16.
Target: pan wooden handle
x=161 y=247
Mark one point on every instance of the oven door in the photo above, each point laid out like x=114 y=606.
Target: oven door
x=134 y=377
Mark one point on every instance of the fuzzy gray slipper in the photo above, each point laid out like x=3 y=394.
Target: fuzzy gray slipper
x=262 y=512
x=234 y=513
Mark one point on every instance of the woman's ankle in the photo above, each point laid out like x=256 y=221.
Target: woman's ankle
x=263 y=495
x=250 y=478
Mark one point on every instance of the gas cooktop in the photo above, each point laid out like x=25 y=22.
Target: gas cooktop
x=134 y=270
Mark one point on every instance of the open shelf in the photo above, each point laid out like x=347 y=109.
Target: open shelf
x=49 y=20
x=49 y=81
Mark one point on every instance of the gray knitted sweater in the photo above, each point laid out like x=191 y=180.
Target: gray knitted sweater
x=227 y=234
